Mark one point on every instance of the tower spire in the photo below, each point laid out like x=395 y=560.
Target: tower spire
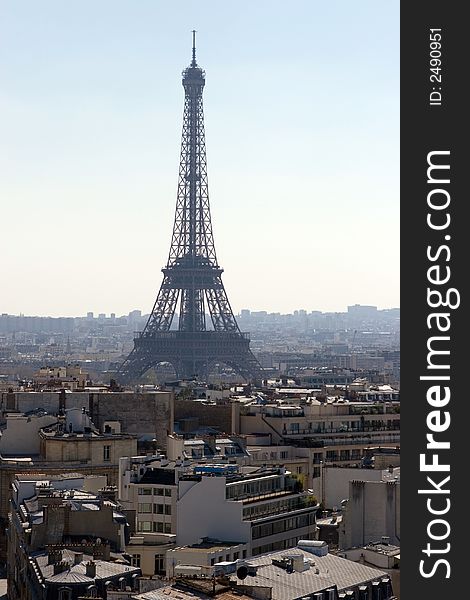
x=193 y=62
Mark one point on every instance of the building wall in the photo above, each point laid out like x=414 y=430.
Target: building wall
x=286 y=539
x=87 y=449
x=20 y=437
x=336 y=482
x=384 y=461
x=147 y=553
x=147 y=414
x=155 y=498
x=373 y=511
x=208 y=415
x=216 y=517
x=49 y=401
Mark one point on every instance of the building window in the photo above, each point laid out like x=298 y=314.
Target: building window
x=65 y=594
x=144 y=526
x=145 y=491
x=299 y=470
x=168 y=509
x=167 y=527
x=135 y=560
x=284 y=454
x=168 y=492
x=145 y=507
x=244 y=554
x=158 y=527
x=158 y=509
x=159 y=564
x=236 y=555
x=158 y=491
x=212 y=561
x=106 y=453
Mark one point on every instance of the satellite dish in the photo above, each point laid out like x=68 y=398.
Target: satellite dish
x=242 y=572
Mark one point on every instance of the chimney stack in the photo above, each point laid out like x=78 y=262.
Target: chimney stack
x=60 y=566
x=54 y=556
x=90 y=569
x=62 y=402
x=11 y=400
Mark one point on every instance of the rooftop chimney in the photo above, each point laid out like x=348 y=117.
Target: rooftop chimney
x=60 y=566
x=54 y=556
x=11 y=400
x=298 y=563
x=62 y=402
x=90 y=569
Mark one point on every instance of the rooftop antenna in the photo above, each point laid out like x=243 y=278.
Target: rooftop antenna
x=193 y=62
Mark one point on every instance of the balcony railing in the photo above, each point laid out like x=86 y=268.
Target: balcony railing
x=315 y=432
x=354 y=441
x=268 y=510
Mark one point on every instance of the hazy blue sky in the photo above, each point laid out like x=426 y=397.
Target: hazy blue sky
x=302 y=131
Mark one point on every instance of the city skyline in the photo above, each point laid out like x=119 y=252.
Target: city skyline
x=90 y=153
x=108 y=313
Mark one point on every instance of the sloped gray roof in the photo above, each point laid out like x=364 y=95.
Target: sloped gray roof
x=333 y=570
x=77 y=573
x=70 y=577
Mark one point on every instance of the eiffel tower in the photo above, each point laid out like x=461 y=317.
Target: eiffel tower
x=192 y=276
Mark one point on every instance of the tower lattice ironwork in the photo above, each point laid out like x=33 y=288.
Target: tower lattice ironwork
x=192 y=276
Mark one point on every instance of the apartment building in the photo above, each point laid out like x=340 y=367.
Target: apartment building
x=43 y=444
x=336 y=431
x=184 y=502
x=65 y=542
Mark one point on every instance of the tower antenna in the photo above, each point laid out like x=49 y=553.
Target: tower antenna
x=193 y=62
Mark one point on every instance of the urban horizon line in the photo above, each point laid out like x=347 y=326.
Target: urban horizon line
x=239 y=313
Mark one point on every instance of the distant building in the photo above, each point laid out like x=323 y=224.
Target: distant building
x=208 y=447
x=362 y=310
x=336 y=432
x=67 y=377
